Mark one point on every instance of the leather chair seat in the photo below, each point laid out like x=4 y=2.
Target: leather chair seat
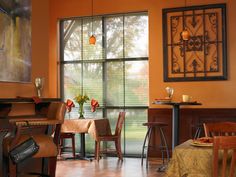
x=46 y=146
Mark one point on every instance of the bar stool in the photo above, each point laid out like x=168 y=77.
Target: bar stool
x=163 y=145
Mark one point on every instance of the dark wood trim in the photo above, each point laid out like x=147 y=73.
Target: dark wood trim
x=26 y=100
x=40 y=107
x=190 y=120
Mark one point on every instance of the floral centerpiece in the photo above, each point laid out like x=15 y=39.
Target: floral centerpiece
x=81 y=99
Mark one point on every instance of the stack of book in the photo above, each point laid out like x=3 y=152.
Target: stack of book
x=167 y=100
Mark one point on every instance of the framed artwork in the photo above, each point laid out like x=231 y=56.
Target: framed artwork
x=15 y=41
x=202 y=56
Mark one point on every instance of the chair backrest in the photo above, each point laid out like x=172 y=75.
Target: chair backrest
x=220 y=129
x=224 y=146
x=119 y=123
x=56 y=110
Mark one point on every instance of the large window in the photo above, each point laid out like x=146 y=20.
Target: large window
x=114 y=71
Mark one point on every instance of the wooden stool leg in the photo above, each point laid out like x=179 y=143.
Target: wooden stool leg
x=98 y=150
x=73 y=144
x=12 y=169
x=52 y=166
x=5 y=166
x=60 y=146
x=164 y=144
x=95 y=150
x=148 y=146
x=144 y=145
x=118 y=149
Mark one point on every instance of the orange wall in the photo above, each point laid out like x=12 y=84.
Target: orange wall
x=40 y=35
x=45 y=48
x=211 y=94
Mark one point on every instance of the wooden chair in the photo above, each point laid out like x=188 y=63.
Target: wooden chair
x=227 y=146
x=45 y=131
x=67 y=135
x=220 y=129
x=109 y=137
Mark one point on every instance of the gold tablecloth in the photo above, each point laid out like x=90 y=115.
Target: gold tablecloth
x=191 y=161
x=92 y=126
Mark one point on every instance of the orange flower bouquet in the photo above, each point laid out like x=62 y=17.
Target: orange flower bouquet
x=69 y=105
x=94 y=105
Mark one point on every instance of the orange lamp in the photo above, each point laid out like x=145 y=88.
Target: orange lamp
x=92 y=40
x=185 y=35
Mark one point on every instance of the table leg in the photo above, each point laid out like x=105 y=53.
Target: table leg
x=175 y=126
x=82 y=148
x=82 y=145
x=82 y=155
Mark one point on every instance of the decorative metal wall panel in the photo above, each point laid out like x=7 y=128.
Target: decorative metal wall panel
x=203 y=56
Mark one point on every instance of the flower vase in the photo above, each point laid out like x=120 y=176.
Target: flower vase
x=81 y=111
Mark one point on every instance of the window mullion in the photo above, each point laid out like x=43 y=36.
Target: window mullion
x=124 y=78
x=61 y=67
x=82 y=55
x=104 y=66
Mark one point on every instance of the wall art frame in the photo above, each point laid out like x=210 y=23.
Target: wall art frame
x=15 y=41
x=204 y=56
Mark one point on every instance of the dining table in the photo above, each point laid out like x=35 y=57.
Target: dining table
x=176 y=117
x=191 y=160
x=86 y=125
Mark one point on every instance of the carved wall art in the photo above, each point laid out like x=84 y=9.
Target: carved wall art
x=203 y=56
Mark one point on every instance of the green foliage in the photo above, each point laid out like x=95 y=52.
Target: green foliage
x=81 y=99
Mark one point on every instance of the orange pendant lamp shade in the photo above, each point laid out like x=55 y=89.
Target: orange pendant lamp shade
x=185 y=35
x=92 y=40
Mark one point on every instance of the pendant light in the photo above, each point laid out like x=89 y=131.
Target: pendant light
x=92 y=38
x=185 y=33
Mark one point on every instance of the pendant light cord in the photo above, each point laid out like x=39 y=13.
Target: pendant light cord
x=185 y=3
x=92 y=17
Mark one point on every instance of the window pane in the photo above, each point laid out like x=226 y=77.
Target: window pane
x=114 y=37
x=136 y=36
x=134 y=130
x=92 y=81
x=72 y=80
x=114 y=84
x=92 y=52
x=136 y=83
x=72 y=40
x=72 y=85
x=117 y=78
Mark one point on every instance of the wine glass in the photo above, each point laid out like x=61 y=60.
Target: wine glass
x=170 y=92
x=39 y=85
